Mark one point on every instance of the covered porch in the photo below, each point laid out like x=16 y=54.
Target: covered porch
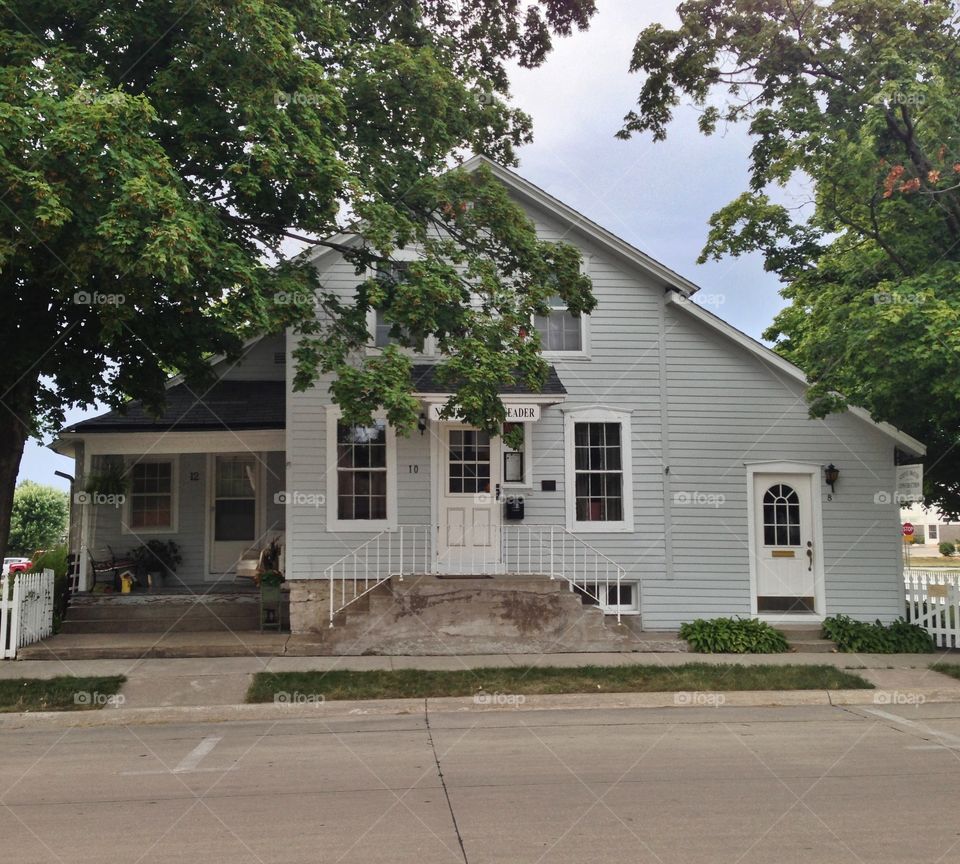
x=180 y=504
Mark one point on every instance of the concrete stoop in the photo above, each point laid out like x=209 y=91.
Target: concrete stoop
x=807 y=640
x=431 y=616
x=146 y=613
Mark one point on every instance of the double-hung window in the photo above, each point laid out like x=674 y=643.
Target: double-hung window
x=598 y=481
x=361 y=476
x=560 y=331
x=152 y=506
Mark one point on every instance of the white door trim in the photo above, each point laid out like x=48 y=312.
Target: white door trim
x=438 y=469
x=815 y=473
x=211 y=497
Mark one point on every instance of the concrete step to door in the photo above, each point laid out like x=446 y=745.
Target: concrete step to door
x=807 y=639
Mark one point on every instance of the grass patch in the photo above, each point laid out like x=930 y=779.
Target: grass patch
x=418 y=683
x=66 y=693
x=951 y=669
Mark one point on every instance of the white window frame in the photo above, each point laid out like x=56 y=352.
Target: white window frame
x=933 y=532
x=334 y=523
x=598 y=415
x=527 y=482
x=173 y=528
x=403 y=256
x=584 y=352
x=623 y=608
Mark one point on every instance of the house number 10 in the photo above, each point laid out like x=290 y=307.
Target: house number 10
x=413 y=469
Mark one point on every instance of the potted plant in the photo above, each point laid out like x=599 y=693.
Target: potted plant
x=157 y=558
x=271 y=599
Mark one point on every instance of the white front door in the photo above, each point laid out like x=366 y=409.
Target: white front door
x=784 y=543
x=234 y=510
x=469 y=507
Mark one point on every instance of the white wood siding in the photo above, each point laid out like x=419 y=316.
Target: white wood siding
x=716 y=406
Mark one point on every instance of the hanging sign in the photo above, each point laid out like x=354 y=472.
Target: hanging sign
x=516 y=413
x=909 y=483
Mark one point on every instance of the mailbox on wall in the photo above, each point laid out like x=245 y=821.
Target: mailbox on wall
x=513 y=508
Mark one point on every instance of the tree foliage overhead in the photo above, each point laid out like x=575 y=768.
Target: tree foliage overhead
x=856 y=99
x=155 y=156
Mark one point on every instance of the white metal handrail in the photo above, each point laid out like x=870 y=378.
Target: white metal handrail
x=387 y=554
x=561 y=554
x=548 y=550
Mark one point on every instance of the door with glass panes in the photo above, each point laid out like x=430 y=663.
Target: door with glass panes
x=470 y=491
x=234 y=509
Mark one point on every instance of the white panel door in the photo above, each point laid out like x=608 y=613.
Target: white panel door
x=469 y=507
x=784 y=543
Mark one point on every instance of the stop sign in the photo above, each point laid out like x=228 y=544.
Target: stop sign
x=907 y=529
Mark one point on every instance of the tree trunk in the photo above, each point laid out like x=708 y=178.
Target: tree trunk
x=13 y=435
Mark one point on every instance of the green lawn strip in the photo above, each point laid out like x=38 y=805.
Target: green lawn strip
x=418 y=683
x=66 y=693
x=951 y=669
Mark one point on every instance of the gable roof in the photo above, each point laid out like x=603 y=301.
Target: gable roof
x=907 y=442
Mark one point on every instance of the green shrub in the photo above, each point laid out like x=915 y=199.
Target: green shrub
x=897 y=638
x=947 y=549
x=733 y=636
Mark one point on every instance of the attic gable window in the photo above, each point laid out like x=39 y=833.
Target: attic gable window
x=560 y=330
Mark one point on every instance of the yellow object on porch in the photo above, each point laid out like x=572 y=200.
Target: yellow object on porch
x=126 y=582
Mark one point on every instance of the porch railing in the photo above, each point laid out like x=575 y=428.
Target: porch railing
x=547 y=550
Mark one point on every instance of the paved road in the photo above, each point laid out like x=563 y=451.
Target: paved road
x=810 y=784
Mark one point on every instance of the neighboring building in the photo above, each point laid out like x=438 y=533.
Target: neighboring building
x=666 y=445
x=930 y=528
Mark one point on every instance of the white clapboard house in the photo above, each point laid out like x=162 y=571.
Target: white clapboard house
x=669 y=471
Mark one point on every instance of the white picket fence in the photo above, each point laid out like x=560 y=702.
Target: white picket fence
x=933 y=602
x=26 y=611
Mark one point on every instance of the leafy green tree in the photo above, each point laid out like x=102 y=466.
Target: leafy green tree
x=857 y=101
x=39 y=518
x=155 y=156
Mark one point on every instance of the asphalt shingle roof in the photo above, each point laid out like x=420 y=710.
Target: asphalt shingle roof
x=226 y=405
x=247 y=405
x=424 y=381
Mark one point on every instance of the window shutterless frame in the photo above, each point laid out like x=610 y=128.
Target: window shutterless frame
x=128 y=527
x=571 y=420
x=334 y=521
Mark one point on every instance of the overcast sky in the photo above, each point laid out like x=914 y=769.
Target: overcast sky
x=656 y=196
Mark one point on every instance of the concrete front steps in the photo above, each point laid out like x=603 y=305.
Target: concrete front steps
x=806 y=639
x=426 y=615
x=164 y=613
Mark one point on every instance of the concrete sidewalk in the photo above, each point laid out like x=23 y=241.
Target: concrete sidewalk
x=223 y=681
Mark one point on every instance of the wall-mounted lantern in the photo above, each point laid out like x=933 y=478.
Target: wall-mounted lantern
x=831 y=473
